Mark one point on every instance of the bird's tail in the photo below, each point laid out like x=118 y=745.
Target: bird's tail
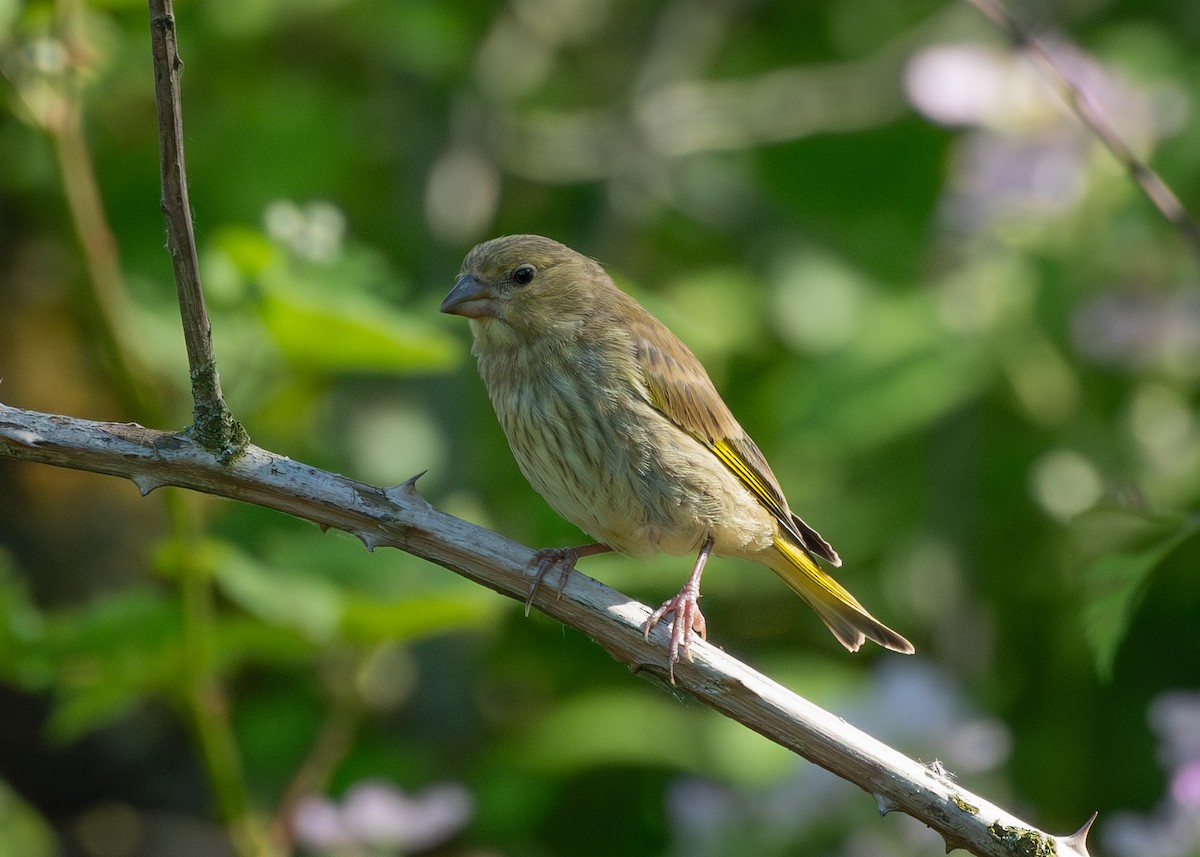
x=846 y=618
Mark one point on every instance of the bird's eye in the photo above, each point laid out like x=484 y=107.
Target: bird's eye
x=523 y=275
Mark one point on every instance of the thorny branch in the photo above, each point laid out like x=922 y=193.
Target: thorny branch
x=398 y=517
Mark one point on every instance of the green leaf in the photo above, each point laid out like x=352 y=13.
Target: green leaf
x=109 y=654
x=900 y=374
x=914 y=390
x=614 y=727
x=22 y=830
x=241 y=639
x=354 y=334
x=372 y=621
x=249 y=250
x=22 y=632
x=339 y=602
x=292 y=600
x=1115 y=585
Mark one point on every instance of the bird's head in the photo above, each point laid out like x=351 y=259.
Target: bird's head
x=525 y=288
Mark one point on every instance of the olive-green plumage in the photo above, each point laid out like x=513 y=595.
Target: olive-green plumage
x=615 y=422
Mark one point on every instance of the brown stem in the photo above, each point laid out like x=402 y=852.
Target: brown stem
x=214 y=426
x=1151 y=183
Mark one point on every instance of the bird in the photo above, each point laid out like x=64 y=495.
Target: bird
x=615 y=422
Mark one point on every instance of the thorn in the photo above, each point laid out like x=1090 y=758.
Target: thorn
x=370 y=541
x=952 y=844
x=324 y=527
x=146 y=484
x=885 y=804
x=406 y=489
x=1078 y=839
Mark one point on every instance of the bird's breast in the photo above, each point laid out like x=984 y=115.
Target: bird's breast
x=587 y=439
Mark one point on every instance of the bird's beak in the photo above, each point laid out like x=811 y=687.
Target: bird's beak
x=471 y=298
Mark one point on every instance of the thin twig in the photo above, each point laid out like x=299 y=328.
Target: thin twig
x=1151 y=183
x=399 y=517
x=215 y=427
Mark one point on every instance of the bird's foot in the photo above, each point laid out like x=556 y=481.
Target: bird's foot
x=687 y=619
x=562 y=558
x=541 y=564
x=686 y=610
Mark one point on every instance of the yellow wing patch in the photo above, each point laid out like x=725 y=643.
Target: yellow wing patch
x=677 y=386
x=751 y=478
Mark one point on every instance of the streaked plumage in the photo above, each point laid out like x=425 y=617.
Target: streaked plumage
x=615 y=422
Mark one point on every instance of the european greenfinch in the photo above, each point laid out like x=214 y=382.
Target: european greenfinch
x=617 y=425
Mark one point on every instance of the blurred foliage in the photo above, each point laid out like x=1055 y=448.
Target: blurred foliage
x=967 y=343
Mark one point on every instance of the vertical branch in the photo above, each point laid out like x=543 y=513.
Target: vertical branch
x=1151 y=183
x=215 y=429
x=214 y=426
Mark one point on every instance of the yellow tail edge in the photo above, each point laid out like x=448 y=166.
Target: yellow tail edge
x=848 y=620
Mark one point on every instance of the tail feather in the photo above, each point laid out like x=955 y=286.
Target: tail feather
x=839 y=610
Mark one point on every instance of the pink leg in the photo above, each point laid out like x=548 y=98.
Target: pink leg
x=686 y=611
x=565 y=558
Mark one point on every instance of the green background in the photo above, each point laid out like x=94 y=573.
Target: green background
x=966 y=341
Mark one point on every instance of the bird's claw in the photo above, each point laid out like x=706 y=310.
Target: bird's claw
x=687 y=619
x=541 y=564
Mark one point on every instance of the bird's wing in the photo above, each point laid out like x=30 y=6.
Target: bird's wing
x=681 y=390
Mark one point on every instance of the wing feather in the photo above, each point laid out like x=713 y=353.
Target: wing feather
x=681 y=390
